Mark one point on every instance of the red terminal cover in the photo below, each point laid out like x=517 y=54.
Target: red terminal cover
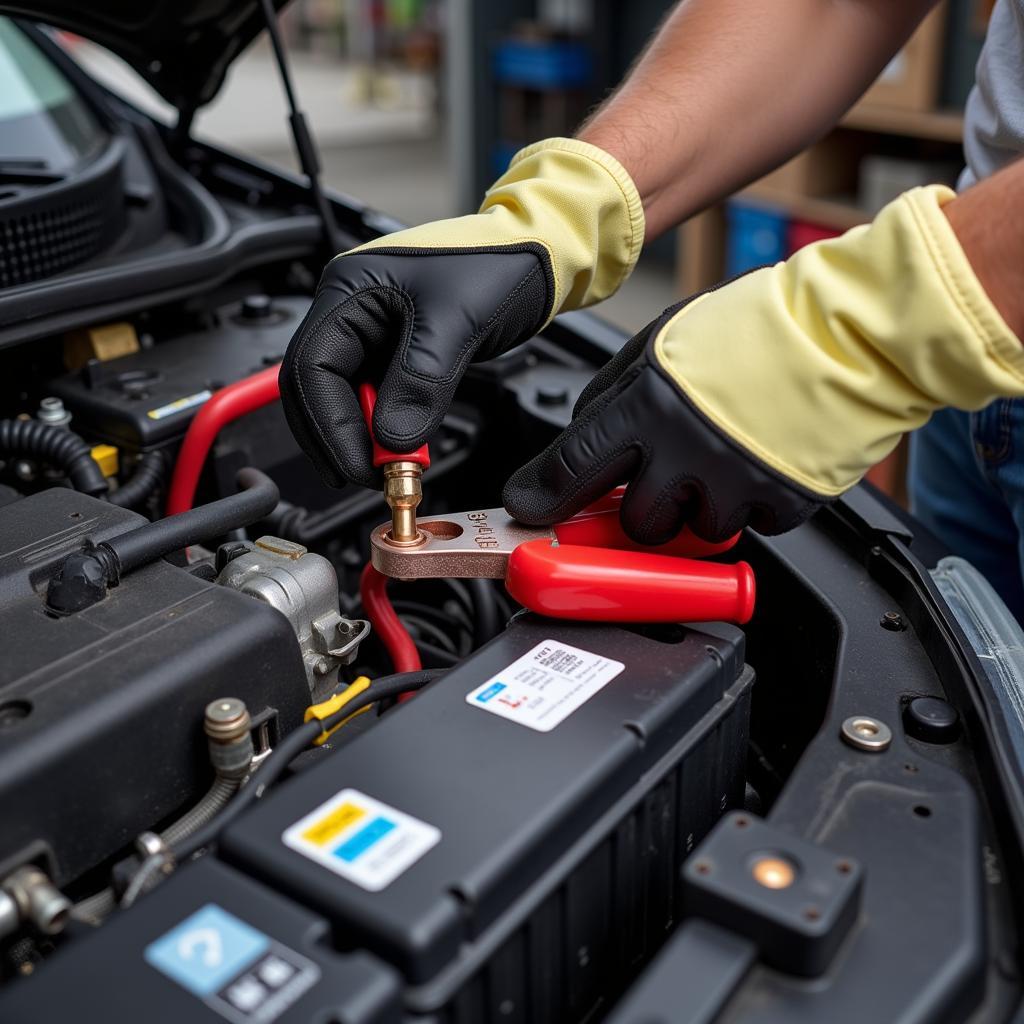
x=606 y=585
x=381 y=456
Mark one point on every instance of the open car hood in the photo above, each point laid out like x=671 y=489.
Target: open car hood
x=183 y=48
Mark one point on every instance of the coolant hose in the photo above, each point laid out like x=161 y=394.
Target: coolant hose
x=256 y=499
x=57 y=447
x=148 y=476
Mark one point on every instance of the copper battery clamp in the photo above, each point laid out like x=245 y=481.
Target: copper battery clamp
x=461 y=545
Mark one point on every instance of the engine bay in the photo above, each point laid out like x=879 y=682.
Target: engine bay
x=812 y=816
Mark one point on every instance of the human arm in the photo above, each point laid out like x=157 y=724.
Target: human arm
x=729 y=89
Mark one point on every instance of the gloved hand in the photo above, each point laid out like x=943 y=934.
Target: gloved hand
x=758 y=402
x=561 y=229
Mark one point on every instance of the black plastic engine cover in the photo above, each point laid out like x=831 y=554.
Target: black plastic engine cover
x=101 y=712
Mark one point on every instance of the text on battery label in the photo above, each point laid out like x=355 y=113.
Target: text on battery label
x=546 y=685
x=361 y=839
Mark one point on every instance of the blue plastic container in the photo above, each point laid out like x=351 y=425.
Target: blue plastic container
x=501 y=156
x=756 y=236
x=543 y=64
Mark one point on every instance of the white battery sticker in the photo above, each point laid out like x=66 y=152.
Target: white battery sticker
x=545 y=686
x=361 y=839
x=179 y=405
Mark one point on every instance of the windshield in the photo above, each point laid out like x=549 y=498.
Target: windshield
x=44 y=124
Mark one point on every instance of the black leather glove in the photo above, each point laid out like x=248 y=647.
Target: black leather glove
x=560 y=230
x=634 y=425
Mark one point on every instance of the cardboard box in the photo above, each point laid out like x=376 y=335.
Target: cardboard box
x=827 y=168
x=912 y=78
x=883 y=178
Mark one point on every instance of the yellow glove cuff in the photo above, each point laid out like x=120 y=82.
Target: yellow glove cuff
x=570 y=197
x=819 y=364
x=582 y=200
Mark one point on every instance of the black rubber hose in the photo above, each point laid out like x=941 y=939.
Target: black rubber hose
x=431 y=653
x=290 y=747
x=57 y=447
x=487 y=620
x=148 y=476
x=255 y=501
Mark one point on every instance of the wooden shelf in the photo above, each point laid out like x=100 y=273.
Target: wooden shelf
x=938 y=125
x=832 y=213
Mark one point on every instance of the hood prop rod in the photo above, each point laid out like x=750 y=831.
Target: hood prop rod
x=305 y=147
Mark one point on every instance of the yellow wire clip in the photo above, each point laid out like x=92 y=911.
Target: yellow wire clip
x=334 y=704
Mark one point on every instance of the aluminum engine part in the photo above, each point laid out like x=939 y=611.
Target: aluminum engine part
x=303 y=586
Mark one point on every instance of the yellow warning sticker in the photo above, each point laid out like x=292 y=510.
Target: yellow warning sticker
x=361 y=839
x=321 y=832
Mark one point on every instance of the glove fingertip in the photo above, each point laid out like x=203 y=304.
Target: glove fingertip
x=529 y=506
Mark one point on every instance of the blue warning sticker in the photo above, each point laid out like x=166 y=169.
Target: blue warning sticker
x=240 y=972
x=206 y=949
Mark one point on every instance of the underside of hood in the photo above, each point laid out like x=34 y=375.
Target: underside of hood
x=183 y=48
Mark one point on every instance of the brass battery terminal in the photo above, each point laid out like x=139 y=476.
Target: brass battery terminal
x=403 y=478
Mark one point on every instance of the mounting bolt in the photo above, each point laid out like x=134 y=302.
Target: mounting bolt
x=52 y=411
x=893 y=621
x=866 y=733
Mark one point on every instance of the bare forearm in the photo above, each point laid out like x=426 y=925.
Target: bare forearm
x=988 y=221
x=731 y=88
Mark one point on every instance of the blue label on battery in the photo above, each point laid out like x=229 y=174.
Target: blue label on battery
x=364 y=839
x=492 y=691
x=206 y=950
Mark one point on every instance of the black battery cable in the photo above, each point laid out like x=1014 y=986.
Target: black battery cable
x=384 y=688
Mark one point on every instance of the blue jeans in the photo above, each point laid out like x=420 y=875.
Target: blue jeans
x=967 y=486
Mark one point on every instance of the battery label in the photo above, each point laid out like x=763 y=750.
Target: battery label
x=244 y=975
x=361 y=839
x=545 y=686
x=179 y=405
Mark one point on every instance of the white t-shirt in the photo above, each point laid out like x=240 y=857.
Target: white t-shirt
x=994 y=116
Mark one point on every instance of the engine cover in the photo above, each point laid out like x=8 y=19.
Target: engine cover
x=101 y=712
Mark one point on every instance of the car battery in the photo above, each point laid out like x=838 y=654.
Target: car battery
x=147 y=399
x=208 y=946
x=511 y=838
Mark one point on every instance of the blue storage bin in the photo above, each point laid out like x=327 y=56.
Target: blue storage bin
x=756 y=235
x=501 y=156
x=543 y=64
